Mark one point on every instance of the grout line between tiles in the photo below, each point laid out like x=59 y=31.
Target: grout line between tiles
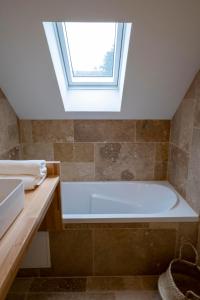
x=93 y=254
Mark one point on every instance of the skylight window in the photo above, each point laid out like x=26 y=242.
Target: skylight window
x=91 y=53
x=89 y=60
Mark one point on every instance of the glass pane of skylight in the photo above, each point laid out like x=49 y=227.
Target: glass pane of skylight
x=91 y=48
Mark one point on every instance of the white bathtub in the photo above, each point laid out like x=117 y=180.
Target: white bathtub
x=122 y=201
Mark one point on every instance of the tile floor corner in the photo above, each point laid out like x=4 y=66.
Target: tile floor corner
x=85 y=288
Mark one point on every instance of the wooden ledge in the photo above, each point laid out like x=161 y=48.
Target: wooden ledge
x=16 y=240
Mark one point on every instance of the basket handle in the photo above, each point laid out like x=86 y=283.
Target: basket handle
x=191 y=295
x=194 y=250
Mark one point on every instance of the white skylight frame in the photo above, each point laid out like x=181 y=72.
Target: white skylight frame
x=91 y=99
x=92 y=82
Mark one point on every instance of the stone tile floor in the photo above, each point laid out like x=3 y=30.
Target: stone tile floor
x=90 y=288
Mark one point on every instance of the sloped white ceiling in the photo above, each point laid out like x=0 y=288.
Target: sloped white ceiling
x=164 y=54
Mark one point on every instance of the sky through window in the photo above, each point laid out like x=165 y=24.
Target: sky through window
x=91 y=48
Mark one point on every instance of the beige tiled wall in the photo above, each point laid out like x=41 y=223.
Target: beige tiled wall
x=9 y=132
x=184 y=158
x=100 y=150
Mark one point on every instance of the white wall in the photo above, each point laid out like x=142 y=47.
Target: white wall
x=163 y=56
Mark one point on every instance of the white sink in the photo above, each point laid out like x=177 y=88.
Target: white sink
x=11 y=202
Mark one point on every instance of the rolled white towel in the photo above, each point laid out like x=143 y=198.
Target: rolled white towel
x=30 y=182
x=36 y=168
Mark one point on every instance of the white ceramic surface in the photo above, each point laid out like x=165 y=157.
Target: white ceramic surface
x=11 y=202
x=123 y=201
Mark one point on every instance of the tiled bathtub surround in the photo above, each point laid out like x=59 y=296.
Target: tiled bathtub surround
x=9 y=132
x=184 y=159
x=115 y=249
x=100 y=149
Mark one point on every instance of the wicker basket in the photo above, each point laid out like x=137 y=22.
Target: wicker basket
x=181 y=281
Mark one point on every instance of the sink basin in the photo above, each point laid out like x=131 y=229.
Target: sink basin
x=11 y=202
